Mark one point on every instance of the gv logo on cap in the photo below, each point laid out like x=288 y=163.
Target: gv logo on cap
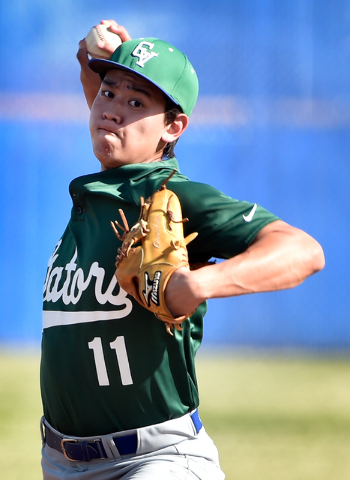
x=143 y=53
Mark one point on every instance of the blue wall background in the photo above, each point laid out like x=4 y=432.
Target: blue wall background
x=272 y=126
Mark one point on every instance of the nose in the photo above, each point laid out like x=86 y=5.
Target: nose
x=112 y=116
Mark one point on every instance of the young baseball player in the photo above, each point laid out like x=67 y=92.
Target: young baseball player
x=119 y=392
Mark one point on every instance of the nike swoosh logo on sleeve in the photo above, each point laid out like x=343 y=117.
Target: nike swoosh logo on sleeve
x=249 y=217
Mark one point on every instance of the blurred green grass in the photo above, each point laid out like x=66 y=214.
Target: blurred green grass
x=271 y=417
x=277 y=417
x=20 y=412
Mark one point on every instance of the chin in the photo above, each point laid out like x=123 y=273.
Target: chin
x=106 y=159
x=107 y=164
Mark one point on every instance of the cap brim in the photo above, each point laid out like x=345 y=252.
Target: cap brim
x=101 y=66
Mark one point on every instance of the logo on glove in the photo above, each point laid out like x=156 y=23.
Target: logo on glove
x=151 y=292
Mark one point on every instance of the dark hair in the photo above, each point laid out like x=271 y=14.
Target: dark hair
x=171 y=112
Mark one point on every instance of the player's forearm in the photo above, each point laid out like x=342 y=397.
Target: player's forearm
x=90 y=81
x=281 y=257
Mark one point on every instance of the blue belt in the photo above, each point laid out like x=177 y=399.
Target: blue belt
x=84 y=451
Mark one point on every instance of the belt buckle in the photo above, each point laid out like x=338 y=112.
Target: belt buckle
x=63 y=442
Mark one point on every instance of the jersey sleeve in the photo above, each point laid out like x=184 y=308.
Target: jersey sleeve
x=225 y=226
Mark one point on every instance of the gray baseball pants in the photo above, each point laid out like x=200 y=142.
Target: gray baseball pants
x=166 y=451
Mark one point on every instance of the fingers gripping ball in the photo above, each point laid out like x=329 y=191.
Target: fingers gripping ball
x=144 y=271
x=101 y=33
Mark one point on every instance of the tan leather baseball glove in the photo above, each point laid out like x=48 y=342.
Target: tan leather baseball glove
x=144 y=271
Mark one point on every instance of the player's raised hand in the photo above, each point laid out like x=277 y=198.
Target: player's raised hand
x=90 y=80
x=118 y=29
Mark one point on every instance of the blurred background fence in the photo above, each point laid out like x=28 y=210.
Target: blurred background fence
x=272 y=126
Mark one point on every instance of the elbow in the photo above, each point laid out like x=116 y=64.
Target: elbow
x=319 y=260
x=311 y=257
x=316 y=259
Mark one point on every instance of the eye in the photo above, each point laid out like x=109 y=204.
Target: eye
x=107 y=94
x=135 y=103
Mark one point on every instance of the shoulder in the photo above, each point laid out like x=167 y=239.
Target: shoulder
x=191 y=192
x=226 y=226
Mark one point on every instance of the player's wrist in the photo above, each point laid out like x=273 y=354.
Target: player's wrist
x=181 y=293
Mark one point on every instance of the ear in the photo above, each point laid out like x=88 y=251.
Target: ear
x=175 y=129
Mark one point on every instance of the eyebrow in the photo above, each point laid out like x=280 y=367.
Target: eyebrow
x=109 y=83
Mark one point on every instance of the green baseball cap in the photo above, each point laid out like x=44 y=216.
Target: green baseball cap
x=160 y=63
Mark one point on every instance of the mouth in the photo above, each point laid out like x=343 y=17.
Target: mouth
x=108 y=130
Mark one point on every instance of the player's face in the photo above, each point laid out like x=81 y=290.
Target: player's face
x=127 y=120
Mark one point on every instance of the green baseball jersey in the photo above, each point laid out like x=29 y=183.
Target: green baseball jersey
x=107 y=363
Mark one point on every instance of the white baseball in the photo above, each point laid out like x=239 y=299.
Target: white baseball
x=101 y=33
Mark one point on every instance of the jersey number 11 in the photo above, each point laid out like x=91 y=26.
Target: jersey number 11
x=122 y=358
